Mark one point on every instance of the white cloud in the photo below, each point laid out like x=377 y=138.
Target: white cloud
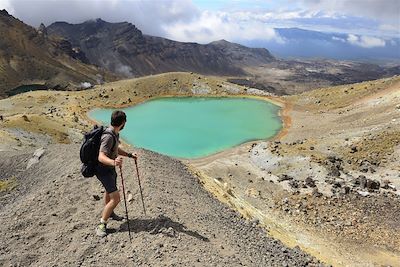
x=6 y=4
x=377 y=17
x=391 y=29
x=267 y=16
x=385 y=10
x=338 y=39
x=211 y=26
x=182 y=20
x=175 y=19
x=365 y=41
x=148 y=16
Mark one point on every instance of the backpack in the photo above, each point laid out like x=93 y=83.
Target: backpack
x=89 y=151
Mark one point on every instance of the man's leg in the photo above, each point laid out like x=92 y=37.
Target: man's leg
x=109 y=180
x=114 y=199
x=106 y=198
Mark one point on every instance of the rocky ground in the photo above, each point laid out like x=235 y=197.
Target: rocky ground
x=289 y=77
x=328 y=184
x=50 y=217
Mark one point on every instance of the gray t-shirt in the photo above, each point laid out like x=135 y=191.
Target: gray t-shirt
x=109 y=143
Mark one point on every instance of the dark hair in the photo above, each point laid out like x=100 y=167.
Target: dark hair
x=118 y=117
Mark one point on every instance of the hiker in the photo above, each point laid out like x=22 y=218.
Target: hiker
x=110 y=156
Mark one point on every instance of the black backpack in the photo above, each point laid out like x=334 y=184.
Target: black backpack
x=89 y=151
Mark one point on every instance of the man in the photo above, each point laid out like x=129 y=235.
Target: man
x=110 y=157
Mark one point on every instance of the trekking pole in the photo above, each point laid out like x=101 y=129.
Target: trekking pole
x=140 y=187
x=126 y=208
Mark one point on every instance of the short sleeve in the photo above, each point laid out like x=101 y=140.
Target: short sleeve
x=106 y=144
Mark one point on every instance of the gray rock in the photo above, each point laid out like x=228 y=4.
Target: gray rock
x=372 y=184
x=284 y=177
x=36 y=157
x=337 y=184
x=309 y=182
x=363 y=168
x=316 y=193
x=334 y=172
x=362 y=181
x=385 y=184
x=345 y=190
x=362 y=193
x=294 y=184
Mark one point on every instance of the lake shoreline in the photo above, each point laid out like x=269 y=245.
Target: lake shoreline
x=283 y=115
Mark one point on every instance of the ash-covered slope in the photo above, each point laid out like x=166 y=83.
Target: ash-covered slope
x=123 y=49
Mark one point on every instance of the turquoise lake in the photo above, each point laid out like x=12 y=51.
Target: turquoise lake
x=193 y=127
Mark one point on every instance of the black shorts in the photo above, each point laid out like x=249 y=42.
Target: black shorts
x=108 y=177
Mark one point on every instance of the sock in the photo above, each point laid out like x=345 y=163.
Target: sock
x=103 y=221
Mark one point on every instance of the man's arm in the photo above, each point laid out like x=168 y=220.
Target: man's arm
x=106 y=160
x=126 y=154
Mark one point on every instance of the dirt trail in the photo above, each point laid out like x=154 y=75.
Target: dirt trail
x=49 y=219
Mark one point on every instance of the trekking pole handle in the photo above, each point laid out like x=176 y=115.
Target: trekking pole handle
x=131 y=155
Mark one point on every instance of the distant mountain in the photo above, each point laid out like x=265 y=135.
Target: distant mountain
x=29 y=56
x=300 y=43
x=123 y=49
x=65 y=56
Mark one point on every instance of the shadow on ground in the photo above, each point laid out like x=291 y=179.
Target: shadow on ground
x=160 y=225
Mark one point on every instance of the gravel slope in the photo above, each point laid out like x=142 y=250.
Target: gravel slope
x=49 y=219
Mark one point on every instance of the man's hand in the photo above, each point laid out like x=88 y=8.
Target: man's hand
x=118 y=161
x=134 y=155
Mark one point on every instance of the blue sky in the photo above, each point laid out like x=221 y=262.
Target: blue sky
x=204 y=21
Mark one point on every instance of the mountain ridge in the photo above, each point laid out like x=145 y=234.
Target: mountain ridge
x=124 y=49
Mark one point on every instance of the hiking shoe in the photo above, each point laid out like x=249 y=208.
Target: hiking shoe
x=115 y=217
x=101 y=230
